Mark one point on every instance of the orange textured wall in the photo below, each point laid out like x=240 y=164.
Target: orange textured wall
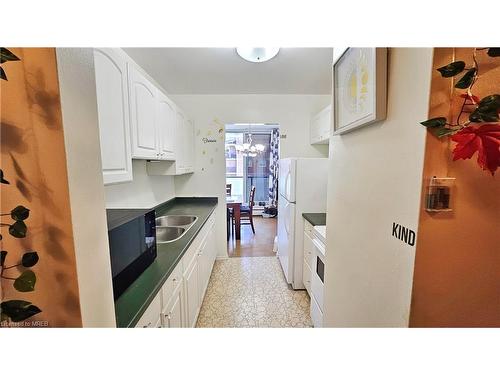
x=457 y=265
x=33 y=160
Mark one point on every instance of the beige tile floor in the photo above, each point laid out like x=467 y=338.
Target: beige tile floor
x=252 y=292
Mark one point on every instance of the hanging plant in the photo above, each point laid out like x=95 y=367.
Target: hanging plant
x=16 y=310
x=480 y=130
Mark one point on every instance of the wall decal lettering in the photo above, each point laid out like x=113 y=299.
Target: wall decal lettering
x=404 y=234
x=209 y=140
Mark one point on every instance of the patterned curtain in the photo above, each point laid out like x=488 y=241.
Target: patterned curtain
x=273 y=167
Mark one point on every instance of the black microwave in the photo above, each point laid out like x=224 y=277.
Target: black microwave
x=132 y=245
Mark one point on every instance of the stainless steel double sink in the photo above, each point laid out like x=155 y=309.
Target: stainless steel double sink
x=170 y=228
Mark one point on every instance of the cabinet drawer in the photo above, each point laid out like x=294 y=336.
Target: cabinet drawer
x=198 y=242
x=308 y=250
x=152 y=314
x=306 y=277
x=173 y=281
x=191 y=252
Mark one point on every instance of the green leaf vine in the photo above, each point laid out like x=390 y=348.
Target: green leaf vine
x=6 y=56
x=16 y=310
x=480 y=111
x=476 y=128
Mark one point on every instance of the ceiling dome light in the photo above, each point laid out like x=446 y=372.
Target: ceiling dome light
x=259 y=54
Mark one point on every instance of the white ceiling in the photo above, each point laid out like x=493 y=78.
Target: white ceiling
x=222 y=71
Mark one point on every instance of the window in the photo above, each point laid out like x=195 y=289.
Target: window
x=243 y=172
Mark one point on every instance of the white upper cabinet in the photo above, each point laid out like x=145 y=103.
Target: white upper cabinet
x=166 y=126
x=189 y=164
x=186 y=143
x=143 y=112
x=181 y=141
x=138 y=121
x=183 y=149
x=113 y=114
x=320 y=126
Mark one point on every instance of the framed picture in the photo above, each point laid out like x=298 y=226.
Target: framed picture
x=359 y=88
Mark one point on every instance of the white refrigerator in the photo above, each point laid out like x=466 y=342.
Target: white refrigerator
x=302 y=188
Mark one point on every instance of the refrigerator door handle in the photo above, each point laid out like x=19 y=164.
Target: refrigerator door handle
x=287 y=225
x=287 y=181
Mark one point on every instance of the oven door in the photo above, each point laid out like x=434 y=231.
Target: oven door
x=318 y=276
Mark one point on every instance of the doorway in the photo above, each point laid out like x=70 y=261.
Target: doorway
x=251 y=157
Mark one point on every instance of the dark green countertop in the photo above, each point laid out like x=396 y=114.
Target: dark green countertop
x=130 y=306
x=315 y=218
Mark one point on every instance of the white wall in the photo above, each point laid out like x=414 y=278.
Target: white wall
x=86 y=191
x=375 y=180
x=211 y=112
x=143 y=192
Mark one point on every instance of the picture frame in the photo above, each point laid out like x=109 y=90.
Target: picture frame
x=359 y=92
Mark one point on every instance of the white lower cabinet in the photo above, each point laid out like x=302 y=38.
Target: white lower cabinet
x=306 y=276
x=308 y=247
x=191 y=289
x=179 y=300
x=173 y=314
x=151 y=317
x=206 y=259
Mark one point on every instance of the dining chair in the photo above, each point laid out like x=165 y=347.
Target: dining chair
x=229 y=216
x=246 y=211
x=229 y=211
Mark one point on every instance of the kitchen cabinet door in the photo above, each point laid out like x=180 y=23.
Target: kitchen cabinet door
x=152 y=315
x=189 y=144
x=206 y=259
x=306 y=276
x=113 y=115
x=320 y=126
x=313 y=130
x=203 y=269
x=211 y=246
x=181 y=152
x=173 y=313
x=166 y=126
x=143 y=109
x=325 y=124
x=191 y=290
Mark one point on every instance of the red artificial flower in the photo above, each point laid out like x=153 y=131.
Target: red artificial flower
x=472 y=98
x=482 y=138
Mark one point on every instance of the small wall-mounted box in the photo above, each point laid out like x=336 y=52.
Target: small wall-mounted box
x=439 y=194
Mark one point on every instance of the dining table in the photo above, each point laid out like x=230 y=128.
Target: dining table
x=235 y=202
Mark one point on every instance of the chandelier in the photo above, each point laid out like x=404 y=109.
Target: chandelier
x=249 y=149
